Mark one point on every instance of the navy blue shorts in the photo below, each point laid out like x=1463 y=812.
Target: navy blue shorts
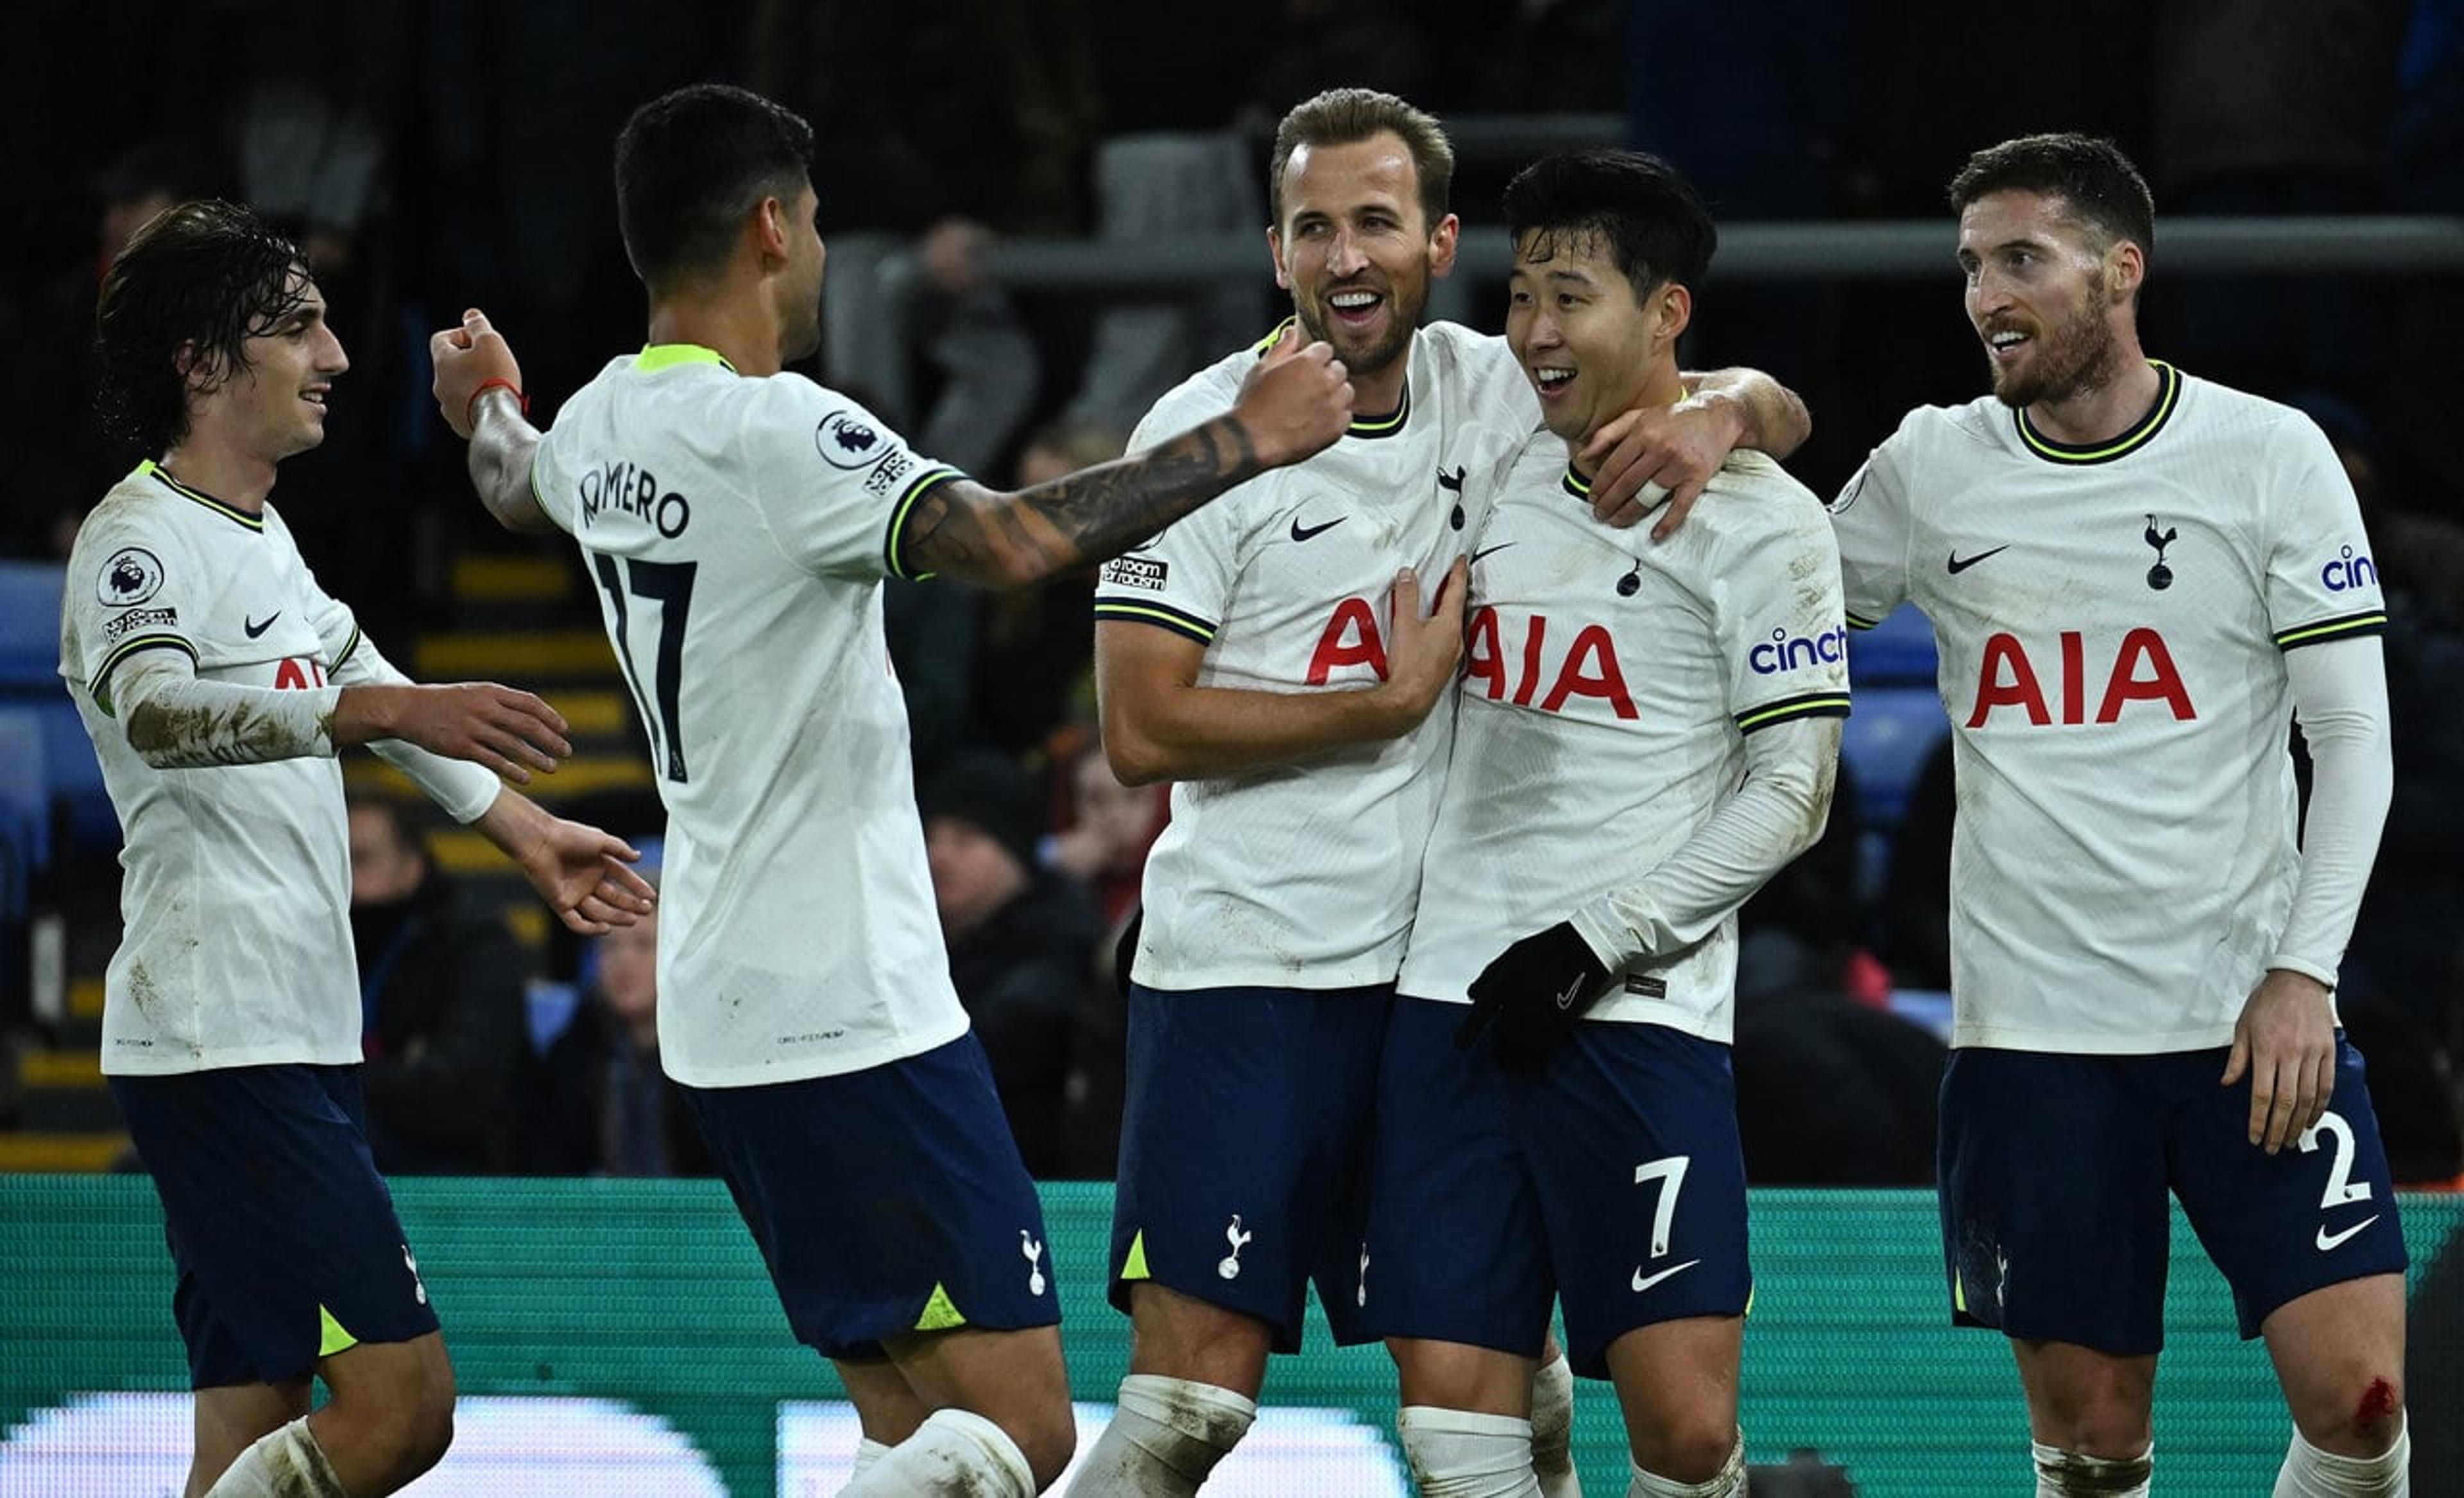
x=1615 y=1182
x=2054 y=1173
x=886 y=1200
x=1244 y=1150
x=283 y=1234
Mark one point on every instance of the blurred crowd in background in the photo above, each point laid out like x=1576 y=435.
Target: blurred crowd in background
x=437 y=154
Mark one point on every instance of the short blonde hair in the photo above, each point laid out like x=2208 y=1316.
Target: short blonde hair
x=1347 y=115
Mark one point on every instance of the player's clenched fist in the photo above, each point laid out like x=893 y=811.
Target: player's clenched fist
x=1296 y=402
x=471 y=360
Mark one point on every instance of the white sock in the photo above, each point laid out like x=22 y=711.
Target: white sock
x=1467 y=1454
x=868 y=1451
x=1552 y=1429
x=1729 y=1482
x=2309 y=1472
x=954 y=1454
x=1166 y=1434
x=2059 y=1472
x=282 y=1463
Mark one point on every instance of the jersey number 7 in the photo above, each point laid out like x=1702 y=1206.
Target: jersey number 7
x=670 y=584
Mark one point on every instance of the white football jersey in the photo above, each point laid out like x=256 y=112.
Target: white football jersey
x=2110 y=624
x=236 y=887
x=1609 y=683
x=736 y=531
x=1304 y=877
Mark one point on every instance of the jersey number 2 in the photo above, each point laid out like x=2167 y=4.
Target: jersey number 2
x=670 y=584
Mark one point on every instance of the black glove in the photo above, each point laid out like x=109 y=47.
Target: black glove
x=1530 y=996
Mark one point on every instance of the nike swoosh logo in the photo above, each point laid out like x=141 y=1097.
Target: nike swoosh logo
x=1574 y=991
x=254 y=628
x=2328 y=1240
x=1960 y=564
x=1300 y=532
x=1485 y=550
x=1643 y=1282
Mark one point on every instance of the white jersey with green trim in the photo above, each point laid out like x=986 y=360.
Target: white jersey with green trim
x=235 y=885
x=736 y=531
x=2111 y=623
x=1609 y=684
x=1304 y=876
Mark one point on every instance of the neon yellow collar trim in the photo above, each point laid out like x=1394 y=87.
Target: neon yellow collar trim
x=655 y=357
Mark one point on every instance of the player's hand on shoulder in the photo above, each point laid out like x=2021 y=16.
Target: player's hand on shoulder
x=508 y=731
x=467 y=358
x=1530 y=996
x=1294 y=402
x=1423 y=649
x=1658 y=454
x=2285 y=1042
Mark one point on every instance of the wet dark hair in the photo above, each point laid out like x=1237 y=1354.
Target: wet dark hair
x=2103 y=189
x=203 y=277
x=691 y=163
x=1642 y=209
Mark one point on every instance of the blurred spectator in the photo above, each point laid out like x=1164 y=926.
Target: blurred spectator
x=601 y=1105
x=1832 y=1092
x=440 y=990
x=1806 y=929
x=2263 y=108
x=1913 y=926
x=59 y=464
x=1034 y=648
x=1022 y=941
x=1107 y=830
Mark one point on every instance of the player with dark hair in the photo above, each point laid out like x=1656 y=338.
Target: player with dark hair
x=218 y=682
x=739 y=521
x=2135 y=579
x=1647 y=733
x=1271 y=656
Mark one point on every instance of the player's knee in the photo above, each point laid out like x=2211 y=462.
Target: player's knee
x=1686 y=1446
x=1047 y=1438
x=2360 y=1417
x=405 y=1427
x=2071 y=1470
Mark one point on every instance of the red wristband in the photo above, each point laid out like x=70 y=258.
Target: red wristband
x=499 y=383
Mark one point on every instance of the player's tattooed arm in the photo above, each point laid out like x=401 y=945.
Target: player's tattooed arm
x=1295 y=403
x=963 y=530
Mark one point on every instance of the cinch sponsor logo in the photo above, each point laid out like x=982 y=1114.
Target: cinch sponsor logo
x=2348 y=571
x=1784 y=651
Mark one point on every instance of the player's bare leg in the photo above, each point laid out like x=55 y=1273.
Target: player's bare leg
x=1195 y=1373
x=1676 y=1385
x=999 y=1411
x=389 y=1420
x=1464 y=1419
x=234 y=1418
x=2339 y=1353
x=2090 y=1415
x=886 y=1406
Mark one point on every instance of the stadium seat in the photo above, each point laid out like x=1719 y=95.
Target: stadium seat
x=1888 y=735
x=1897 y=652
x=1885 y=742
x=76 y=775
x=25 y=807
x=30 y=626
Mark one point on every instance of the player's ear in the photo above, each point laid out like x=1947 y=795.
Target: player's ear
x=1442 y=242
x=2125 y=266
x=1672 y=310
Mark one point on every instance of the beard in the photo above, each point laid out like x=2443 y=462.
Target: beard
x=1403 y=305
x=2077 y=356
